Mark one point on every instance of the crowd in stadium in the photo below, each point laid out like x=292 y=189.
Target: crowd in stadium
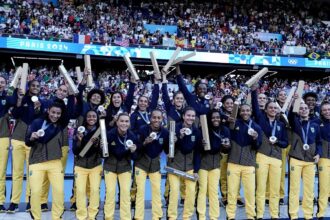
x=118 y=80
x=221 y=26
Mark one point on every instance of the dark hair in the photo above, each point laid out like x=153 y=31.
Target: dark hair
x=209 y=117
x=199 y=82
x=137 y=104
x=188 y=108
x=270 y=101
x=278 y=93
x=244 y=104
x=85 y=118
x=323 y=104
x=96 y=91
x=122 y=114
x=117 y=92
x=32 y=81
x=64 y=119
x=224 y=99
x=157 y=110
x=177 y=93
x=310 y=94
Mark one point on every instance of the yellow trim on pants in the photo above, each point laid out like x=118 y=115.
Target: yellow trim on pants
x=110 y=179
x=4 y=152
x=156 y=203
x=268 y=167
x=20 y=153
x=208 y=183
x=324 y=183
x=285 y=159
x=189 y=201
x=45 y=184
x=53 y=169
x=305 y=170
x=93 y=176
x=234 y=174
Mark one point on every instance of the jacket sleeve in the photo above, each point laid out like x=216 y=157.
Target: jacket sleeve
x=182 y=87
x=32 y=128
x=255 y=106
x=155 y=96
x=283 y=142
x=130 y=96
x=166 y=98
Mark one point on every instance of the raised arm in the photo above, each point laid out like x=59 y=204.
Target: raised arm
x=155 y=97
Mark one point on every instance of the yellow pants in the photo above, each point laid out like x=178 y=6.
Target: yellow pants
x=285 y=153
x=4 y=150
x=20 y=153
x=234 y=174
x=223 y=176
x=53 y=169
x=271 y=168
x=324 y=183
x=189 y=202
x=155 y=179
x=45 y=184
x=167 y=188
x=110 y=179
x=305 y=170
x=81 y=176
x=208 y=184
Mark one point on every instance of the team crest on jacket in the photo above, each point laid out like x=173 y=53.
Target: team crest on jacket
x=193 y=138
x=161 y=140
x=237 y=128
x=312 y=130
x=3 y=102
x=322 y=125
x=278 y=128
x=320 y=168
x=113 y=143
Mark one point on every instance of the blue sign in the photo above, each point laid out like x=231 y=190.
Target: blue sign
x=293 y=61
x=152 y=28
x=268 y=36
x=164 y=54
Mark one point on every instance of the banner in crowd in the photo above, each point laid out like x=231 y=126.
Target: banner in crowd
x=294 y=50
x=152 y=28
x=268 y=36
x=168 y=42
x=144 y=53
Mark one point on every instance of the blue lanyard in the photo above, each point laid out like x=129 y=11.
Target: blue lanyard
x=249 y=125
x=145 y=117
x=45 y=125
x=305 y=135
x=273 y=127
x=123 y=143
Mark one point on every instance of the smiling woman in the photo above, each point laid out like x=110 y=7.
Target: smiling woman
x=45 y=158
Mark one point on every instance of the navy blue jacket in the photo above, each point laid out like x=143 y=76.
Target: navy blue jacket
x=240 y=134
x=126 y=105
x=262 y=120
x=314 y=134
x=201 y=105
x=171 y=111
x=155 y=148
x=116 y=148
x=136 y=119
